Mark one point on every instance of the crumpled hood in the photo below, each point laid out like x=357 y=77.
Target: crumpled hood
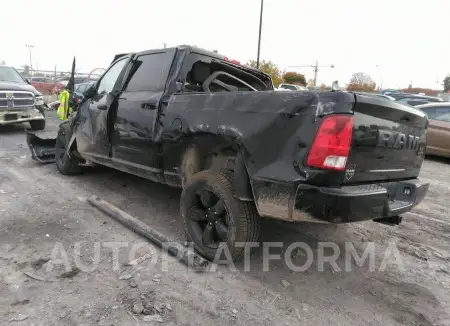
x=6 y=86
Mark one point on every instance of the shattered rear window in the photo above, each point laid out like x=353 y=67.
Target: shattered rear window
x=198 y=68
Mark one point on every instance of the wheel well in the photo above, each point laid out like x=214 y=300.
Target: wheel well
x=214 y=153
x=73 y=148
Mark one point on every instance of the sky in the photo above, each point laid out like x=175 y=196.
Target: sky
x=395 y=41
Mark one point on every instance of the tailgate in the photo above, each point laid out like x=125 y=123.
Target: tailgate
x=389 y=141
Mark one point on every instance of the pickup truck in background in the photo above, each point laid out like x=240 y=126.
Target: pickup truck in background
x=19 y=101
x=192 y=119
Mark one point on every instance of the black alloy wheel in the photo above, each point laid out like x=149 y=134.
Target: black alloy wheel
x=214 y=219
x=208 y=217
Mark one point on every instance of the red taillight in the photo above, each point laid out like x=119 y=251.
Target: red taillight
x=331 y=145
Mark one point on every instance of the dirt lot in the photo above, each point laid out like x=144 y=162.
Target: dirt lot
x=40 y=208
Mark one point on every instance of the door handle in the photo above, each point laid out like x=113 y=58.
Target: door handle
x=149 y=106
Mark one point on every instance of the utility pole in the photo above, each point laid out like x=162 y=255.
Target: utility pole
x=29 y=46
x=315 y=67
x=259 y=37
x=381 y=84
x=165 y=45
x=316 y=70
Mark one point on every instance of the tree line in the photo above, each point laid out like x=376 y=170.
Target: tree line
x=277 y=75
x=359 y=81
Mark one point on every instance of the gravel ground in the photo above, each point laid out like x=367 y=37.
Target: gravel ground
x=44 y=215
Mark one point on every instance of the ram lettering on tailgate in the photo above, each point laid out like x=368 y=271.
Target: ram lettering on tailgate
x=397 y=140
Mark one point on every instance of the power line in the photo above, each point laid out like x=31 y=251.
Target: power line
x=30 y=46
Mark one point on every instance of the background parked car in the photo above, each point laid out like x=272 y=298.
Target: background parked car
x=415 y=100
x=42 y=84
x=438 y=142
x=79 y=91
x=387 y=97
x=45 y=85
x=78 y=80
x=78 y=95
x=445 y=96
x=291 y=87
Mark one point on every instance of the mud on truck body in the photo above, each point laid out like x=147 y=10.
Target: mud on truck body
x=192 y=119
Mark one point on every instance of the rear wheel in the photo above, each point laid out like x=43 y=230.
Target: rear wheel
x=66 y=164
x=37 y=124
x=215 y=221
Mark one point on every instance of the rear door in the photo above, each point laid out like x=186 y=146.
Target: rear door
x=388 y=143
x=137 y=111
x=438 y=130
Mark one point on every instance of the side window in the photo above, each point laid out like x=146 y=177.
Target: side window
x=108 y=80
x=221 y=81
x=149 y=72
x=195 y=71
x=439 y=113
x=198 y=68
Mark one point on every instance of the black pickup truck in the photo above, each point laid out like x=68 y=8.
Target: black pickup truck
x=196 y=120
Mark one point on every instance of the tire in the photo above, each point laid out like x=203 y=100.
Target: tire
x=240 y=218
x=66 y=165
x=37 y=124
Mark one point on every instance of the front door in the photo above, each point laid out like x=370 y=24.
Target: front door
x=133 y=136
x=93 y=131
